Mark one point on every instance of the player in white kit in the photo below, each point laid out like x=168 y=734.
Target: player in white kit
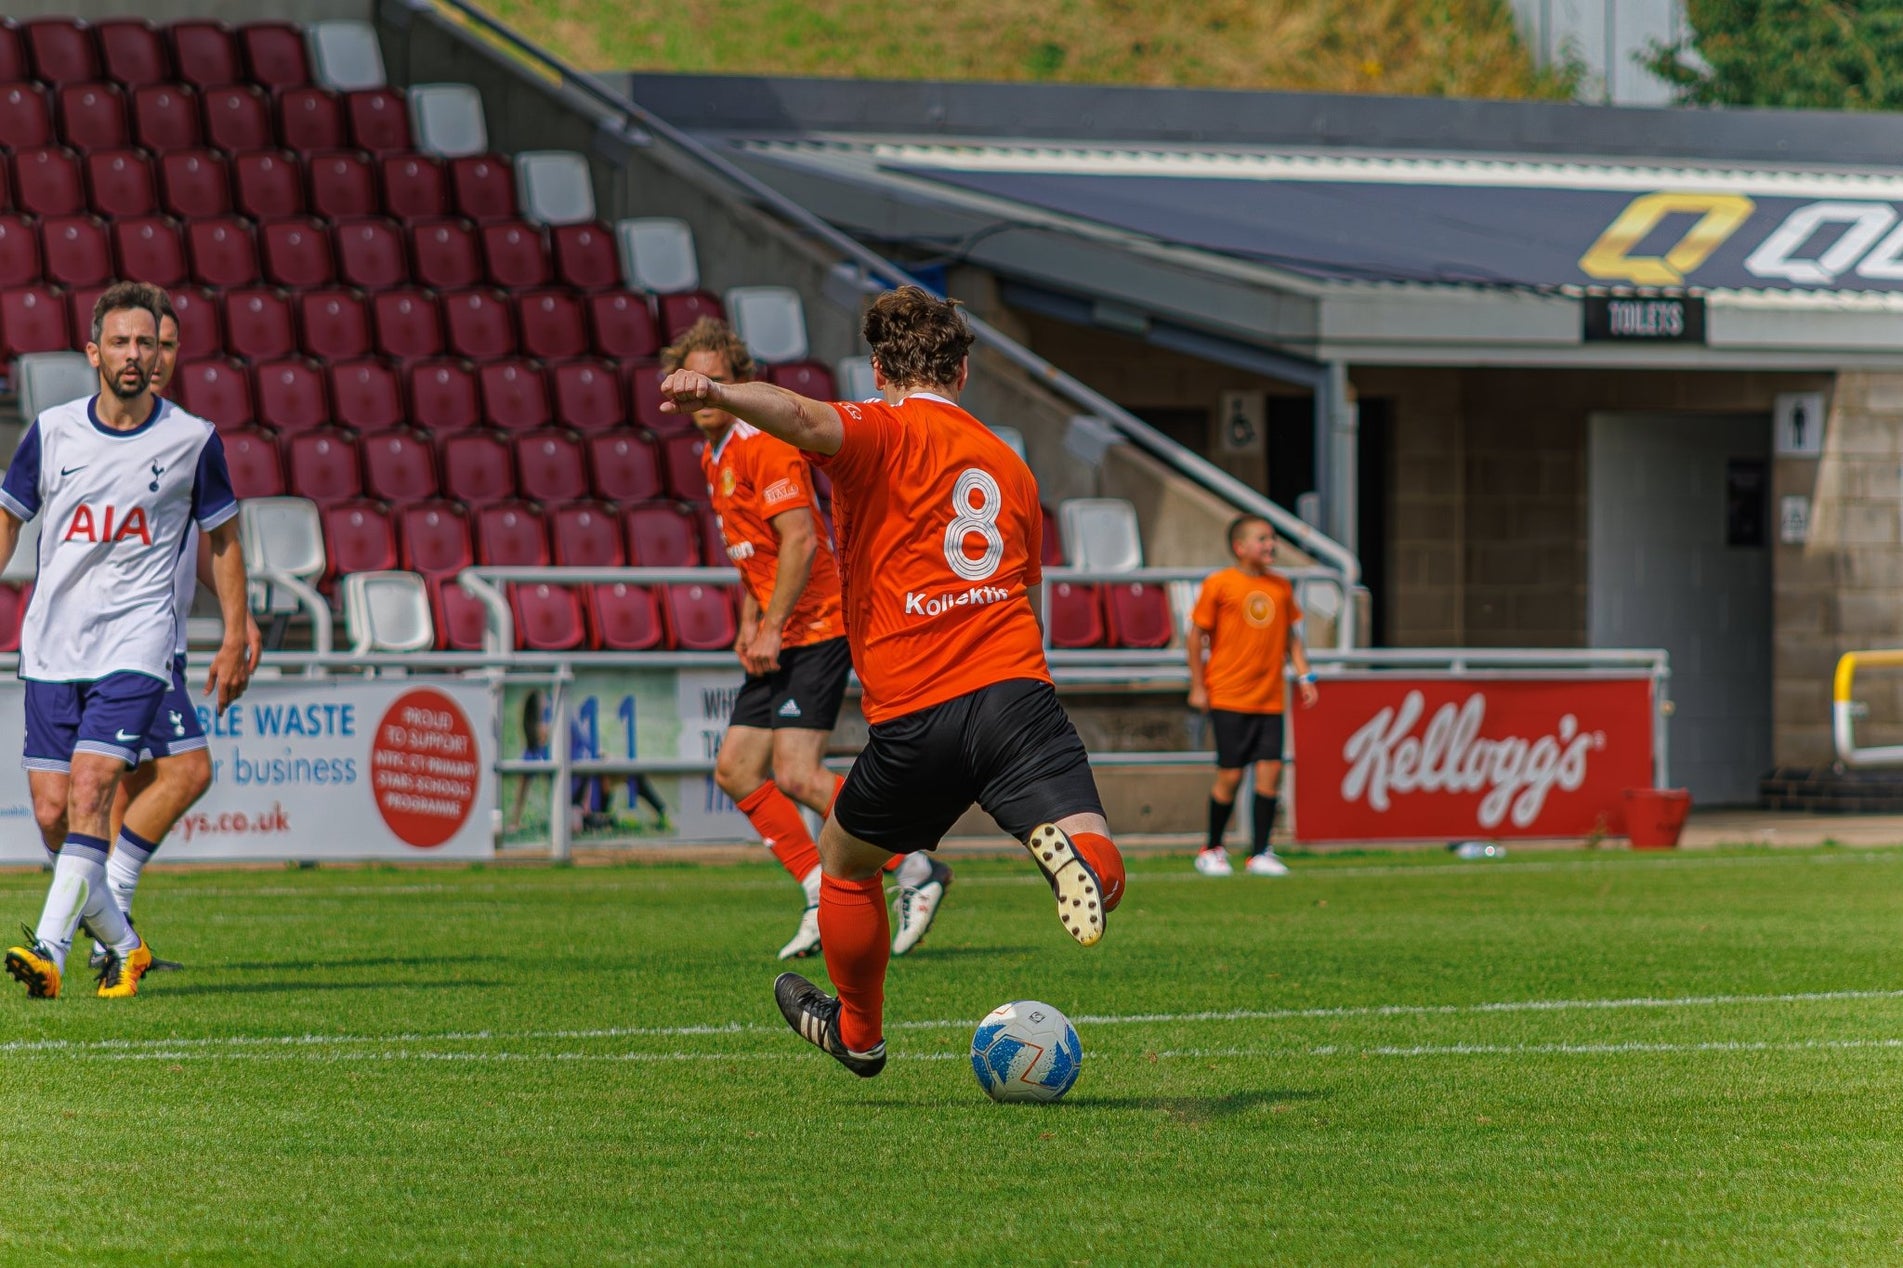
x=119 y=478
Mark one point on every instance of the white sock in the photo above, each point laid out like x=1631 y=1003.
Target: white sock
x=915 y=870
x=79 y=889
x=130 y=853
x=810 y=883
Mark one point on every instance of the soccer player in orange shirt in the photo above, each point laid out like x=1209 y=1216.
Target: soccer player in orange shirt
x=1241 y=638
x=939 y=532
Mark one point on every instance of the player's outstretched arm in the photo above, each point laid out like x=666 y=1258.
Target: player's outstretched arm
x=231 y=667
x=803 y=423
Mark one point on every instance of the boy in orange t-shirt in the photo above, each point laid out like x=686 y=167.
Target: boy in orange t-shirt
x=1241 y=638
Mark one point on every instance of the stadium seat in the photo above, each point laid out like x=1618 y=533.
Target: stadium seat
x=297 y=253
x=621 y=326
x=345 y=55
x=1012 y=437
x=553 y=327
x=680 y=465
x=60 y=50
x=548 y=618
x=550 y=466
x=311 y=121
x=165 y=118
x=222 y=252
x=1138 y=615
x=624 y=618
x=256 y=465
x=19 y=252
x=274 y=55
x=282 y=534
x=623 y=468
x=370 y=254
x=854 y=376
x=699 y=617
x=79 y=307
x=587 y=397
x=13 y=64
x=269 y=183
x=1100 y=534
x=334 y=325
x=444 y=397
x=554 y=187
x=771 y=322
x=645 y=388
x=291 y=397
x=514 y=396
x=75 y=251
x=479 y=324
x=132 y=52
x=662 y=535
x=26 y=117
x=415 y=187
x=119 y=183
x=399 y=466
x=478 y=468
x=459 y=616
x=324 y=466
x=13 y=601
x=388 y=612
x=149 y=250
x=343 y=186
x=358 y=537
x=194 y=184
x=514 y=257
x=92 y=116
x=585 y=257
x=47 y=181
x=216 y=390
x=434 y=537
x=409 y=325
x=260 y=326
x=32 y=319
x=445 y=255
x=379 y=120
x=483 y=186
x=1075 y=616
x=201 y=333
x=6 y=185
x=45 y=379
x=809 y=378
x=447 y=120
x=657 y=255
x=1053 y=544
x=365 y=396
x=206 y=54
x=587 y=535
x=237 y=119
x=511 y=535
x=680 y=312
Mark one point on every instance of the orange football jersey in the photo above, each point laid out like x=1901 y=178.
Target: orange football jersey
x=753 y=478
x=1249 y=620
x=939 y=533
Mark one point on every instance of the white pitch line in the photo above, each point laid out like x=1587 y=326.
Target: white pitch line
x=1537 y=1049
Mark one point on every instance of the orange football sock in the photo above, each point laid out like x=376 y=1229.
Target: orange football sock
x=856 y=937
x=1106 y=861
x=777 y=820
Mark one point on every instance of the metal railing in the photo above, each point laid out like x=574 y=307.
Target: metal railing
x=1845 y=710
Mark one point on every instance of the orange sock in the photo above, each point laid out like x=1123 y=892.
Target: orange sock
x=777 y=820
x=1106 y=861
x=856 y=938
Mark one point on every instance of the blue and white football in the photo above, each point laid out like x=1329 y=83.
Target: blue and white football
x=1026 y=1051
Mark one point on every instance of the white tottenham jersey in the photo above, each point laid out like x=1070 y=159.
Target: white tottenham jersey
x=118 y=510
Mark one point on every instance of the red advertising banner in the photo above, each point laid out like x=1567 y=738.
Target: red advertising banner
x=1396 y=757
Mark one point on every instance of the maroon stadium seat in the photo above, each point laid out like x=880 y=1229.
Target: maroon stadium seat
x=274 y=55
x=434 y=537
x=624 y=468
x=808 y=378
x=334 y=325
x=479 y=324
x=379 y=120
x=201 y=333
x=587 y=396
x=478 y=468
x=93 y=116
x=257 y=468
x=13 y=601
x=662 y=535
x=61 y=50
x=258 y=326
x=399 y=466
x=680 y=467
x=237 y=119
x=1075 y=616
x=678 y=312
x=514 y=256
x=206 y=53
x=550 y=466
x=32 y=319
x=415 y=187
x=149 y=249
x=6 y=185
x=621 y=326
x=548 y=618
x=79 y=305
x=585 y=257
x=699 y=617
x=222 y=251
x=132 y=52
x=625 y=618
x=365 y=396
x=553 y=327
x=358 y=537
x=343 y=186
x=270 y=184
x=13 y=64
x=645 y=389
x=324 y=466
x=370 y=254
x=195 y=184
x=75 y=251
x=587 y=535
x=47 y=181
x=444 y=397
x=483 y=186
x=165 y=118
x=26 y=117
x=311 y=121
x=19 y=252
x=1053 y=544
x=459 y=616
x=511 y=535
x=445 y=255
x=409 y=325
x=291 y=396
x=217 y=390
x=1137 y=614
x=514 y=396
x=297 y=253
x=119 y=183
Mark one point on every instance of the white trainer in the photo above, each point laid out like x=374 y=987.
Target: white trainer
x=1266 y=864
x=806 y=941
x=1214 y=863
x=918 y=907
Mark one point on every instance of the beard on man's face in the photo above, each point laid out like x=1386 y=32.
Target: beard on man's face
x=124 y=387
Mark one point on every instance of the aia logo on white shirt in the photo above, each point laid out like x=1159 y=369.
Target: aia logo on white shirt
x=106 y=524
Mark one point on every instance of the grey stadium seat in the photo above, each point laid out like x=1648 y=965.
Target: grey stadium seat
x=770 y=320
x=657 y=254
x=447 y=120
x=345 y=55
x=46 y=379
x=854 y=376
x=554 y=187
x=285 y=535
x=388 y=612
x=1100 y=534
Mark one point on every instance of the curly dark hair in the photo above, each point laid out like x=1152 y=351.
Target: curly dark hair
x=710 y=334
x=918 y=339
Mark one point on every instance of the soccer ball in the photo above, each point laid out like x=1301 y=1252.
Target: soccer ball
x=1026 y=1051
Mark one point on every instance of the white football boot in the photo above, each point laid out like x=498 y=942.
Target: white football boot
x=918 y=907
x=1266 y=864
x=806 y=941
x=1214 y=863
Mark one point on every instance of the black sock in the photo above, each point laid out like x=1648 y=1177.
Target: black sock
x=1261 y=824
x=1219 y=812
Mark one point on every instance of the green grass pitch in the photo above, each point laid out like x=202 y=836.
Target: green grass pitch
x=1561 y=1058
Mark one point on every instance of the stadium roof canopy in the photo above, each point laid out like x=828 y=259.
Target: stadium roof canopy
x=1360 y=229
